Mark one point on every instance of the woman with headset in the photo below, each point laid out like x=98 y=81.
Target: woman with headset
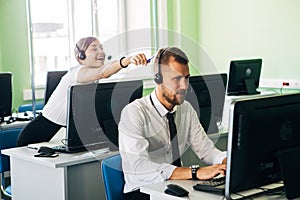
x=90 y=56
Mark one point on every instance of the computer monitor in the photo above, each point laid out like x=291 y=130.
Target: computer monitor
x=244 y=77
x=6 y=95
x=53 y=78
x=258 y=129
x=95 y=110
x=207 y=95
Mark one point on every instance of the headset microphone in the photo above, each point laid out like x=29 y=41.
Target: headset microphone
x=81 y=54
x=109 y=57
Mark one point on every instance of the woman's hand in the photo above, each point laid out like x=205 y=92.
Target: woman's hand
x=209 y=172
x=139 y=59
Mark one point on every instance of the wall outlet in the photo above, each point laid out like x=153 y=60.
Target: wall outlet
x=278 y=83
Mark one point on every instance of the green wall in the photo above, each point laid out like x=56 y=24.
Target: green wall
x=14 y=53
x=183 y=20
x=206 y=23
x=268 y=29
x=14 y=56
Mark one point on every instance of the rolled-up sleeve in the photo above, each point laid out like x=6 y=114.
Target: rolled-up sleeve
x=202 y=145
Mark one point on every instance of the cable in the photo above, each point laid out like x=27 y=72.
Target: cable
x=274 y=191
x=243 y=196
x=64 y=141
x=284 y=84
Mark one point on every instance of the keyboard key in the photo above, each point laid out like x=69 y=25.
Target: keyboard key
x=216 y=185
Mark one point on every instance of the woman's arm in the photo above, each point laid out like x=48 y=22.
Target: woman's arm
x=89 y=74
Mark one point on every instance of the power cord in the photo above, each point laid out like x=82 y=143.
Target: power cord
x=64 y=141
x=274 y=191
x=283 y=85
x=243 y=196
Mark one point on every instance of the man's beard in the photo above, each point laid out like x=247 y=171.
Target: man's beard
x=171 y=97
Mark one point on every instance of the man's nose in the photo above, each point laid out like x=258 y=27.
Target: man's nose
x=184 y=83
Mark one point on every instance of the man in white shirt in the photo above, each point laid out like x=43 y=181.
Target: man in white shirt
x=148 y=154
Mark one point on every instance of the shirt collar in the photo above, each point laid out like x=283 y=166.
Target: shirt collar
x=159 y=107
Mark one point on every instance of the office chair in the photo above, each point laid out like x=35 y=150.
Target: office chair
x=113 y=177
x=28 y=107
x=53 y=79
x=8 y=139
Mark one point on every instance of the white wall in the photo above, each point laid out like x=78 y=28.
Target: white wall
x=239 y=29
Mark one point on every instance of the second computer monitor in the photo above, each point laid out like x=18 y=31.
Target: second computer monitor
x=94 y=112
x=207 y=95
x=244 y=77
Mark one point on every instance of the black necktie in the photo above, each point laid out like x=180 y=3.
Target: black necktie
x=174 y=140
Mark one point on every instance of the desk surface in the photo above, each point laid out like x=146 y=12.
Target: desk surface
x=156 y=191
x=13 y=125
x=73 y=176
x=63 y=160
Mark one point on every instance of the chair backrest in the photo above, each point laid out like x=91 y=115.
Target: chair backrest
x=113 y=177
x=53 y=78
x=28 y=107
x=8 y=139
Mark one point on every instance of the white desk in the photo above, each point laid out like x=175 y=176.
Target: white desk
x=14 y=125
x=156 y=192
x=68 y=176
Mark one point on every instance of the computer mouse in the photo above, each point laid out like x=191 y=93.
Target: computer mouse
x=46 y=150
x=10 y=120
x=176 y=190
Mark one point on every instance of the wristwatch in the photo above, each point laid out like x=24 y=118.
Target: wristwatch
x=194 y=169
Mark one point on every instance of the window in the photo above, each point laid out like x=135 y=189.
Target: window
x=58 y=24
x=50 y=37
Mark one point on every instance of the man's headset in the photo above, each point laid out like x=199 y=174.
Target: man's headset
x=158 y=78
x=81 y=54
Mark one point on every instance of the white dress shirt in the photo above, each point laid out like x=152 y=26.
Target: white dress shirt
x=144 y=141
x=56 y=108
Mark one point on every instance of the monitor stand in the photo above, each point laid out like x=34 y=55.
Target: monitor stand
x=250 y=86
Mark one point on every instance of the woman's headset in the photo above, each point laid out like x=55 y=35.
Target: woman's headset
x=81 y=54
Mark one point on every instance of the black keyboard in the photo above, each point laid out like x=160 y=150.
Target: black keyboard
x=64 y=149
x=215 y=185
x=59 y=148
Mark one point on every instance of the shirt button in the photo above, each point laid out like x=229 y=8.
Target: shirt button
x=167 y=152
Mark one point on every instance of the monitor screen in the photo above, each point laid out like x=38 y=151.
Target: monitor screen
x=6 y=95
x=207 y=95
x=258 y=129
x=96 y=109
x=53 y=78
x=244 y=77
